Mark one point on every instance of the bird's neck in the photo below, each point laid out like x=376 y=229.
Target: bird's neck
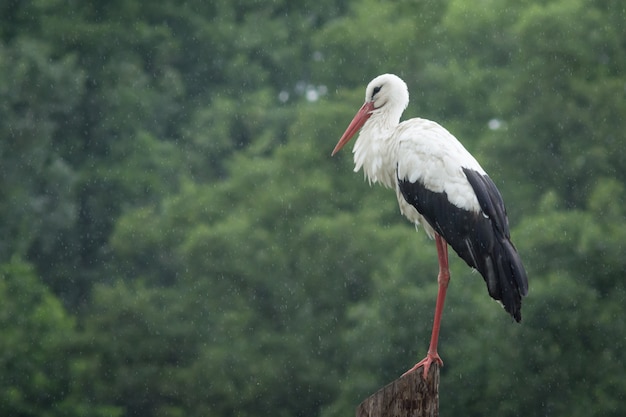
x=376 y=150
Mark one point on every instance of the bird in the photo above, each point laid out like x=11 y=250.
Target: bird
x=440 y=186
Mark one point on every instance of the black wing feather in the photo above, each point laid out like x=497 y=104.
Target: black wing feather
x=481 y=239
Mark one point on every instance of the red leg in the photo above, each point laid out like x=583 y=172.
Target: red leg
x=442 y=279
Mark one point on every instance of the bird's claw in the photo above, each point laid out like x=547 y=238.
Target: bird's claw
x=426 y=362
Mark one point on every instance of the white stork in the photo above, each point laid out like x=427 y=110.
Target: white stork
x=441 y=186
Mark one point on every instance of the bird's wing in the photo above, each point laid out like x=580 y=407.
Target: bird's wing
x=445 y=184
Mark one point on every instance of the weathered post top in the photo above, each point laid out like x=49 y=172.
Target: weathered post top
x=408 y=396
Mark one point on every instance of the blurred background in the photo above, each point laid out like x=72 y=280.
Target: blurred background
x=177 y=240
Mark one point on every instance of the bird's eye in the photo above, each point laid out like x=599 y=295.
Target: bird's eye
x=376 y=90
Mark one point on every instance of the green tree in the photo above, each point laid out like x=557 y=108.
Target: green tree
x=37 y=92
x=37 y=356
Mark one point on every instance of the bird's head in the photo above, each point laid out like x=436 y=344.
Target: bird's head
x=387 y=90
x=386 y=95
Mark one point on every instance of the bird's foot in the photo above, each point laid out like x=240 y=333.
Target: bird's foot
x=426 y=362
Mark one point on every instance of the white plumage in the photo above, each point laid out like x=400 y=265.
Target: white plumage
x=430 y=155
x=417 y=150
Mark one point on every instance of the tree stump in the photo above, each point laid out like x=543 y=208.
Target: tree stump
x=408 y=396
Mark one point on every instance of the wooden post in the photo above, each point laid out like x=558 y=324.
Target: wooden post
x=408 y=396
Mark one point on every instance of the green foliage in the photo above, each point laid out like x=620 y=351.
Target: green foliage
x=178 y=241
x=35 y=327
x=36 y=92
x=38 y=360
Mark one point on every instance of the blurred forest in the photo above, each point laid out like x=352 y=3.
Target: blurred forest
x=177 y=240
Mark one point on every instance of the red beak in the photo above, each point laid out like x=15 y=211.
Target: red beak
x=357 y=123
